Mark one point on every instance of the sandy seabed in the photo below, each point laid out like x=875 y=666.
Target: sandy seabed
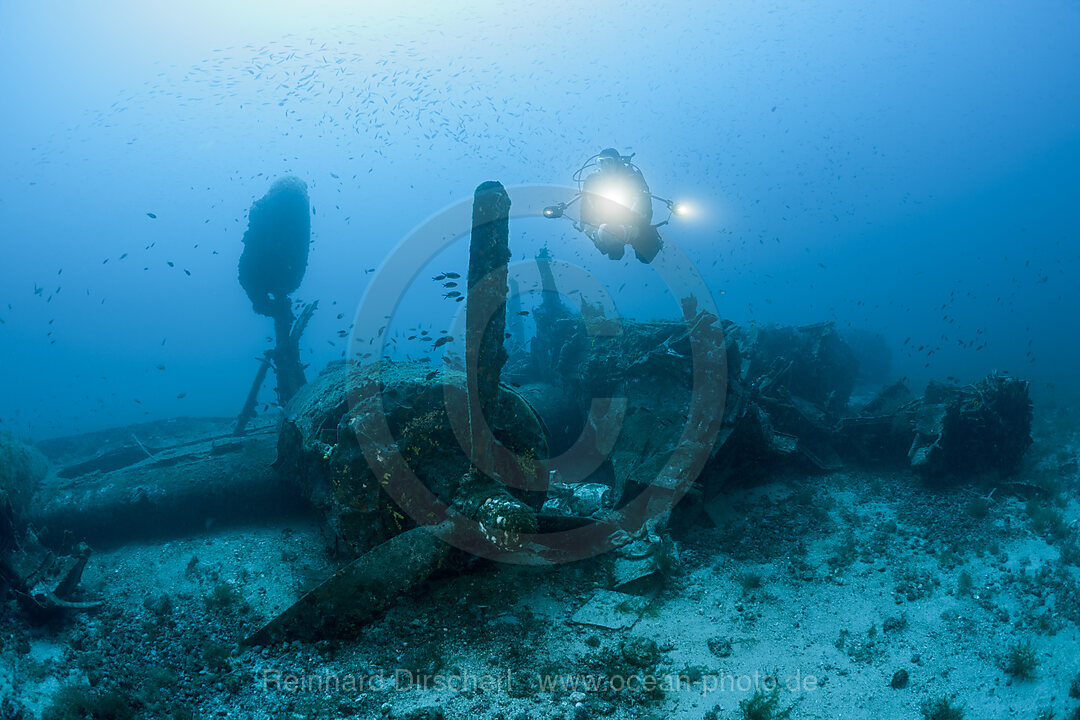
x=851 y=594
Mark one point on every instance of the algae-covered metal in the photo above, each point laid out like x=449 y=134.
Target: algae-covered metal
x=323 y=439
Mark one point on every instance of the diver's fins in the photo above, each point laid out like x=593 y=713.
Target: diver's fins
x=648 y=244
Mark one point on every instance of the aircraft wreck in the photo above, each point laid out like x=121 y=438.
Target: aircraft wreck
x=581 y=444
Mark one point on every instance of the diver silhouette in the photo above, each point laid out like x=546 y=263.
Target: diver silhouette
x=616 y=206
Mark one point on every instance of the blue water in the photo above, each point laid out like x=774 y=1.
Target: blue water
x=905 y=168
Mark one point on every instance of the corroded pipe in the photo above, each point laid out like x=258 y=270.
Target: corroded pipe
x=485 y=313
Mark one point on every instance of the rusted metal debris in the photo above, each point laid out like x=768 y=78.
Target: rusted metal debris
x=43 y=582
x=367 y=585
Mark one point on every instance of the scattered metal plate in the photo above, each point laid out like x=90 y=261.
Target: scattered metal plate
x=609 y=609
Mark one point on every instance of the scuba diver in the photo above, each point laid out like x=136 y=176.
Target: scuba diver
x=616 y=207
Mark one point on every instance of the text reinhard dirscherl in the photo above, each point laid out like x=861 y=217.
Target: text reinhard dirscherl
x=277 y=680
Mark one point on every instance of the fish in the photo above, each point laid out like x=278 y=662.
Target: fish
x=452 y=275
x=437 y=278
x=523 y=312
x=452 y=294
x=181 y=396
x=151 y=215
x=450 y=285
x=442 y=341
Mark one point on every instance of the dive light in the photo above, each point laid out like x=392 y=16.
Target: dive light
x=680 y=209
